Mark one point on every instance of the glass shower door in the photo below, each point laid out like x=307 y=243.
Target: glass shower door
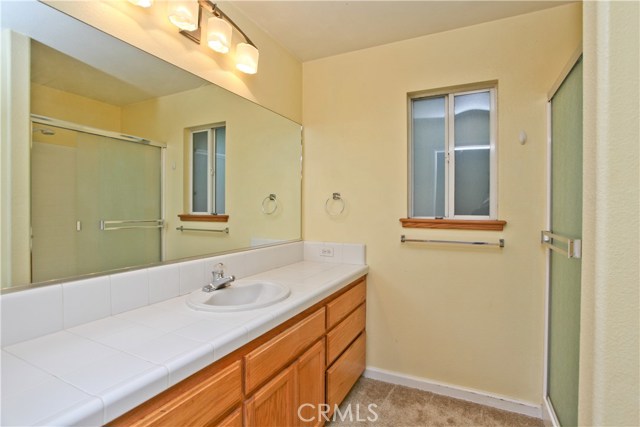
x=564 y=242
x=119 y=203
x=96 y=204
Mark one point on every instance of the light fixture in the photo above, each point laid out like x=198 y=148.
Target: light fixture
x=142 y=3
x=186 y=15
x=219 y=34
x=247 y=58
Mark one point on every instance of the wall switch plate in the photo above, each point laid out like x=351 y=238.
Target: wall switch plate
x=326 y=252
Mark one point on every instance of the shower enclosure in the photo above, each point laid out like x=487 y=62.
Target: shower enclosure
x=96 y=200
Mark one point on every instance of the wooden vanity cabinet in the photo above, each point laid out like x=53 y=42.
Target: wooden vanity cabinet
x=312 y=359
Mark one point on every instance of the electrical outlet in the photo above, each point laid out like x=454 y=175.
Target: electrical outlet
x=326 y=252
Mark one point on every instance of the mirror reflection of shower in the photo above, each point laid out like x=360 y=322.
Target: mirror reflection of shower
x=90 y=190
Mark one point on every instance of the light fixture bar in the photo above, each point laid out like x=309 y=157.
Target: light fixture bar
x=212 y=8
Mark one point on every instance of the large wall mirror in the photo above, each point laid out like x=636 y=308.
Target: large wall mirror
x=113 y=158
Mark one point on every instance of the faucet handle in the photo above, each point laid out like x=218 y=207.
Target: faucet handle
x=218 y=270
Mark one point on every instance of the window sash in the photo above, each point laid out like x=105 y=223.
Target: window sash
x=212 y=153
x=450 y=158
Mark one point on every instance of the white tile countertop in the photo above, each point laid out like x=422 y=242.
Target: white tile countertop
x=92 y=373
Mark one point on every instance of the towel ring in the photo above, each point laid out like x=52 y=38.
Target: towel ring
x=265 y=204
x=336 y=197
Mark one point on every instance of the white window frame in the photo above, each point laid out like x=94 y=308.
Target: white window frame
x=211 y=167
x=449 y=94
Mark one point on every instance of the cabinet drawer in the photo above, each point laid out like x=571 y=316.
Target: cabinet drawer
x=342 y=335
x=200 y=405
x=345 y=372
x=266 y=360
x=232 y=420
x=340 y=307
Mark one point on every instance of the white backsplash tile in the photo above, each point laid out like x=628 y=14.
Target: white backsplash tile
x=312 y=251
x=353 y=253
x=129 y=290
x=31 y=314
x=164 y=282
x=86 y=300
x=191 y=276
x=348 y=253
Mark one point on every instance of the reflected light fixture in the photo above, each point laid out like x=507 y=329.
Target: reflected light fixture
x=184 y=14
x=187 y=15
x=219 y=34
x=142 y=3
x=247 y=58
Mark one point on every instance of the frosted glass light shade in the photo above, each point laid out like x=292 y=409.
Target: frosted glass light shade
x=142 y=3
x=219 y=34
x=184 y=14
x=247 y=58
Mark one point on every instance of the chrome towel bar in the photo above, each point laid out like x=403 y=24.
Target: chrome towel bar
x=500 y=243
x=574 y=246
x=224 y=230
x=125 y=224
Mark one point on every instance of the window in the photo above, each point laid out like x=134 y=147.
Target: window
x=453 y=155
x=208 y=171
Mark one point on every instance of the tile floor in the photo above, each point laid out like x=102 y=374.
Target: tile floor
x=399 y=406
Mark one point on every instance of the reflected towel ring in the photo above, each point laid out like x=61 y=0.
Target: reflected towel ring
x=336 y=197
x=265 y=204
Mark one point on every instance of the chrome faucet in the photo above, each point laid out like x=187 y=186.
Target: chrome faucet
x=219 y=281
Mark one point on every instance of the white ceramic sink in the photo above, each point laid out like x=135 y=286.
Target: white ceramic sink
x=241 y=295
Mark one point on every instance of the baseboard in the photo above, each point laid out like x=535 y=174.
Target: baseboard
x=548 y=414
x=475 y=396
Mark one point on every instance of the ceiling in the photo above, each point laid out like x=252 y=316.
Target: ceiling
x=317 y=29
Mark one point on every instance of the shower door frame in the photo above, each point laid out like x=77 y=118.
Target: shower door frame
x=44 y=120
x=549 y=416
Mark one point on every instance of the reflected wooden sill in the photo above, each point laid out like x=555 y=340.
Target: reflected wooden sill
x=204 y=218
x=454 y=224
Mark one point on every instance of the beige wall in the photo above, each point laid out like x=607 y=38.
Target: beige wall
x=277 y=85
x=61 y=105
x=469 y=317
x=610 y=345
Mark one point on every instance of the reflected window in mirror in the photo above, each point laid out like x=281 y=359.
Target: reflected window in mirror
x=208 y=148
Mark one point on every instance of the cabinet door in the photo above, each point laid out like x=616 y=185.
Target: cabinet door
x=310 y=370
x=275 y=403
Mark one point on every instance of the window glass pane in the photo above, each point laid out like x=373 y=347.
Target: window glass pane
x=472 y=130
x=220 y=169
x=200 y=171
x=428 y=146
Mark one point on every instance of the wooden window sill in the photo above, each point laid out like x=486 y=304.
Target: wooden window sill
x=454 y=224
x=204 y=218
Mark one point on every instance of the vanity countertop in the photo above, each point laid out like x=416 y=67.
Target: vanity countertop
x=92 y=373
